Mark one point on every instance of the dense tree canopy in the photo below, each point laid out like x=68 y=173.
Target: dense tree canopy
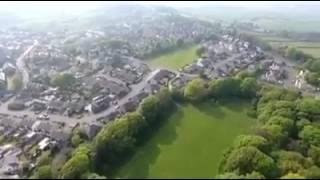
x=150 y=107
x=249 y=87
x=310 y=135
x=247 y=160
x=77 y=165
x=117 y=138
x=95 y=176
x=251 y=140
x=290 y=161
x=43 y=172
x=195 y=90
x=200 y=51
x=313 y=78
x=227 y=87
x=293 y=176
x=295 y=54
x=64 y=81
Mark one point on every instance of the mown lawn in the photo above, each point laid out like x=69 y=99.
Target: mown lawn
x=176 y=59
x=191 y=143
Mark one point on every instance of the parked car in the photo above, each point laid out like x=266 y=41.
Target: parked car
x=43 y=117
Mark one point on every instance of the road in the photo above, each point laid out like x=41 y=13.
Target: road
x=136 y=88
x=89 y=118
x=21 y=65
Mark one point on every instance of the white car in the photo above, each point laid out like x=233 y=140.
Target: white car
x=43 y=117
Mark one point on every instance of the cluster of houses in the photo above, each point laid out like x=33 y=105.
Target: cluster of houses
x=225 y=57
x=13 y=43
x=274 y=72
x=10 y=165
x=28 y=138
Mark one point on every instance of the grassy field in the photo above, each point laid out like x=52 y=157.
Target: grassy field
x=290 y=24
x=312 y=48
x=191 y=143
x=174 y=60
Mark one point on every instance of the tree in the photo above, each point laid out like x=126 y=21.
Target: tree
x=180 y=42
x=149 y=108
x=309 y=105
x=95 y=176
x=64 y=81
x=254 y=175
x=200 y=51
x=16 y=106
x=116 y=44
x=285 y=123
x=296 y=55
x=274 y=134
x=227 y=87
x=195 y=90
x=114 y=141
x=251 y=140
x=15 y=82
x=302 y=123
x=275 y=93
x=165 y=99
x=44 y=159
x=136 y=123
x=310 y=135
x=290 y=161
x=284 y=109
x=249 y=87
x=77 y=165
x=232 y=175
x=312 y=173
x=313 y=65
x=293 y=176
x=76 y=140
x=42 y=172
x=229 y=175
x=313 y=78
x=247 y=160
x=244 y=74
x=314 y=153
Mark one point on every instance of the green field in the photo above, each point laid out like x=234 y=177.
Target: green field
x=297 y=24
x=312 y=48
x=176 y=59
x=191 y=143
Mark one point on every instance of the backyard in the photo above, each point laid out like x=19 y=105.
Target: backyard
x=191 y=142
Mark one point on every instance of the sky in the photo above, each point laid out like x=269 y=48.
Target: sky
x=54 y=7
x=66 y=5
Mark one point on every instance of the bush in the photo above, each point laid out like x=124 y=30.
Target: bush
x=16 y=106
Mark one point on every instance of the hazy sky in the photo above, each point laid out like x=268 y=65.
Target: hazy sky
x=78 y=7
x=59 y=5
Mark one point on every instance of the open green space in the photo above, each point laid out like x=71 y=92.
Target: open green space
x=191 y=143
x=290 y=24
x=312 y=48
x=176 y=59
